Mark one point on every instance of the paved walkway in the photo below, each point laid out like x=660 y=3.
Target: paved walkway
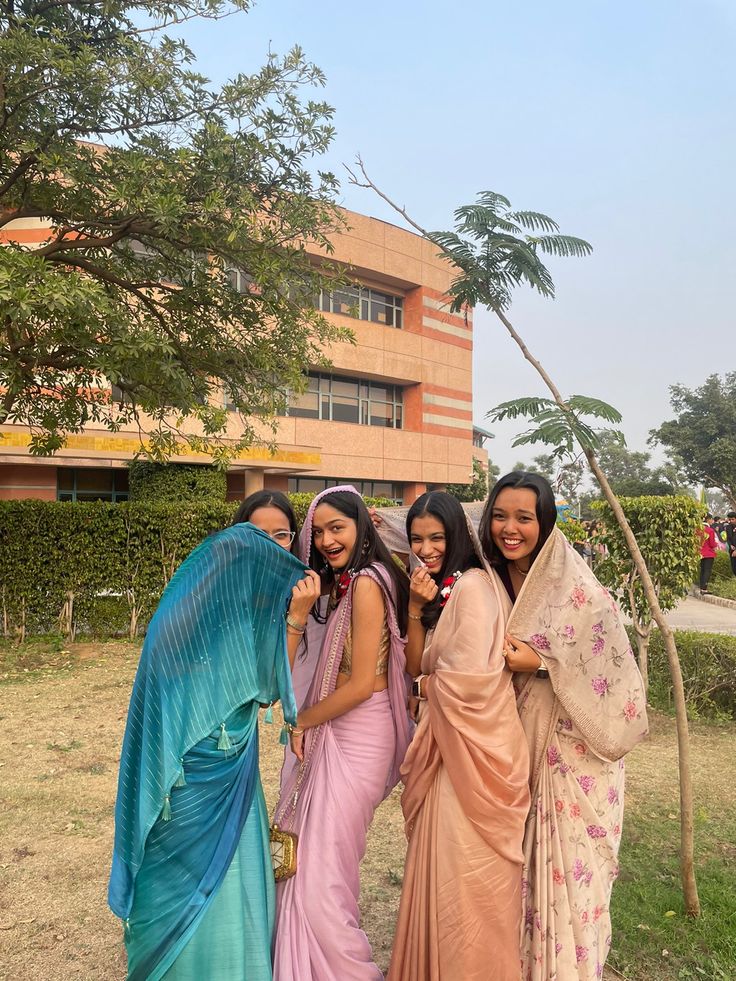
x=694 y=614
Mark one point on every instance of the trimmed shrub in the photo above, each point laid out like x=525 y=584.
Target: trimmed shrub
x=573 y=531
x=722 y=567
x=98 y=568
x=175 y=483
x=708 y=663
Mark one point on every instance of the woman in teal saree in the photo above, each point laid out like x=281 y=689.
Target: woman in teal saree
x=191 y=873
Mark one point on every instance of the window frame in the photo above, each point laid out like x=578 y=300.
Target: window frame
x=367 y=300
x=321 y=385
x=117 y=495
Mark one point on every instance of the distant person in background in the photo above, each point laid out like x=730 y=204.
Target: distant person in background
x=708 y=550
x=731 y=539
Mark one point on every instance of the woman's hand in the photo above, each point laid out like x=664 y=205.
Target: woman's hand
x=375 y=517
x=520 y=656
x=296 y=740
x=422 y=590
x=414 y=708
x=304 y=595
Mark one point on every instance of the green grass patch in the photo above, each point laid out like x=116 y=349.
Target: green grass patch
x=723 y=587
x=51 y=655
x=652 y=936
x=38 y=655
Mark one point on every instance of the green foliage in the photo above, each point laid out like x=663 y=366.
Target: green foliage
x=725 y=588
x=630 y=475
x=559 y=426
x=93 y=567
x=100 y=568
x=477 y=489
x=572 y=530
x=157 y=187
x=708 y=663
x=703 y=436
x=175 y=483
x=667 y=530
x=498 y=249
x=722 y=566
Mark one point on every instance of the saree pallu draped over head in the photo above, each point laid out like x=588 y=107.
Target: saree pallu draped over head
x=214 y=650
x=571 y=619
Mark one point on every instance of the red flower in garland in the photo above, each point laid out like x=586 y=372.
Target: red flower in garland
x=448 y=584
x=342 y=583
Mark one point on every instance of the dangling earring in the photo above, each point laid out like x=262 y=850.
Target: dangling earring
x=366 y=546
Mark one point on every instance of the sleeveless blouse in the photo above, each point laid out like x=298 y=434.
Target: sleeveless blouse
x=384 y=647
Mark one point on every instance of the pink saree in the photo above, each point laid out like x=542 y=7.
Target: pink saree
x=465 y=802
x=351 y=764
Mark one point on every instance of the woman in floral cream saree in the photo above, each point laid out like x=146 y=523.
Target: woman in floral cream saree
x=582 y=705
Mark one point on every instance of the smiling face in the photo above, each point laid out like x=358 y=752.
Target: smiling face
x=514 y=524
x=428 y=542
x=334 y=535
x=274 y=522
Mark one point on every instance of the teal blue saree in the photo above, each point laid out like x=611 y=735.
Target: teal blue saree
x=191 y=874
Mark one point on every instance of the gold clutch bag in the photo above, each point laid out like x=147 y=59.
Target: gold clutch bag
x=283 y=852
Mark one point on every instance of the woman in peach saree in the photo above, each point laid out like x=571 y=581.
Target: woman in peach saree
x=466 y=792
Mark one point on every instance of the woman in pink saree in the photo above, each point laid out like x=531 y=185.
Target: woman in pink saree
x=352 y=733
x=466 y=793
x=582 y=704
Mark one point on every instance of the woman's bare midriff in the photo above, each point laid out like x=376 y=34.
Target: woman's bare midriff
x=381 y=683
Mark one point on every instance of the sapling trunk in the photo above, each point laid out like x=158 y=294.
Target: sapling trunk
x=687 y=865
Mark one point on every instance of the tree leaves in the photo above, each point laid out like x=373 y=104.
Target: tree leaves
x=556 y=426
x=191 y=182
x=703 y=436
x=498 y=249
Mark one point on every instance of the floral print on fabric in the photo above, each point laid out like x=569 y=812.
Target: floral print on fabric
x=571 y=861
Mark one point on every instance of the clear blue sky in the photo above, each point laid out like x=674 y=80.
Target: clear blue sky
x=616 y=117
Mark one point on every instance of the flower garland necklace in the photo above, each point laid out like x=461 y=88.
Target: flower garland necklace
x=448 y=584
x=342 y=584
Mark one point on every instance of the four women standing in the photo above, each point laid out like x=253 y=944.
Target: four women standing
x=490 y=885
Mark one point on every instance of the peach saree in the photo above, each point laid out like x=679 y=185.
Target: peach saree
x=465 y=801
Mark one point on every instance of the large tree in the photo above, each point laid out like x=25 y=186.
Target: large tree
x=703 y=434
x=178 y=213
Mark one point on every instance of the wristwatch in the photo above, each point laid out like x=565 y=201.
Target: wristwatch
x=416 y=688
x=542 y=671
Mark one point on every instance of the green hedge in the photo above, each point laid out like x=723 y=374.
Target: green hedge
x=708 y=663
x=175 y=483
x=722 y=566
x=97 y=568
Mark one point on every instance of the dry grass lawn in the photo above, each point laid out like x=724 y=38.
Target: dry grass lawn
x=61 y=725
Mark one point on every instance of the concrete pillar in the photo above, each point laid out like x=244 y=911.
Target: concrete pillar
x=253 y=481
x=413 y=491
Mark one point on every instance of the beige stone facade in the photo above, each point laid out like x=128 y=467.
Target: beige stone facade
x=394 y=413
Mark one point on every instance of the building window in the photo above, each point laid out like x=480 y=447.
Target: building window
x=363 y=304
x=368 y=488
x=82 y=484
x=341 y=399
x=240 y=281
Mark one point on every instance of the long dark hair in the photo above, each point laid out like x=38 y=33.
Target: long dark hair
x=368 y=549
x=546 y=512
x=269 y=499
x=459 y=551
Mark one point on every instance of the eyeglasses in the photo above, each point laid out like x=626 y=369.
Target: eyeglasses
x=283 y=537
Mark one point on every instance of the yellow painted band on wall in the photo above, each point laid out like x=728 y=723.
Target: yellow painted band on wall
x=124 y=444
